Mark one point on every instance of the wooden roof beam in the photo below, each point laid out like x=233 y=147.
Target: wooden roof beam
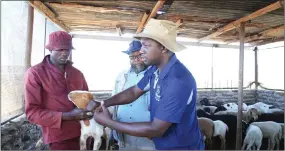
x=236 y=24
x=272 y=32
x=84 y=8
x=41 y=7
x=268 y=41
x=144 y=21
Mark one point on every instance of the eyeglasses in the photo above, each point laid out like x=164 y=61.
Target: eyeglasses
x=135 y=57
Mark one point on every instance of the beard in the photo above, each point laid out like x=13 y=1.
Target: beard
x=138 y=68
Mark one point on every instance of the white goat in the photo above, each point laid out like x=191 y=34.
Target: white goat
x=261 y=107
x=89 y=128
x=233 y=107
x=220 y=129
x=272 y=131
x=282 y=127
x=253 y=138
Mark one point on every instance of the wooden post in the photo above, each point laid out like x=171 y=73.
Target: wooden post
x=256 y=72
x=212 y=69
x=45 y=35
x=30 y=24
x=284 y=50
x=240 y=87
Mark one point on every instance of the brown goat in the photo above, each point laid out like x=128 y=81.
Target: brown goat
x=207 y=129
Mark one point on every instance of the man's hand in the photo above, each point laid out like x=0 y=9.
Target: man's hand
x=92 y=105
x=102 y=115
x=77 y=114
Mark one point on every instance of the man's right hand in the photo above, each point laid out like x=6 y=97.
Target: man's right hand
x=92 y=105
x=77 y=114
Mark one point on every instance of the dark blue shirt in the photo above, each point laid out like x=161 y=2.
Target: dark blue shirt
x=173 y=99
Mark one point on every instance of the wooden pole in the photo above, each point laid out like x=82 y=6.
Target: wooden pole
x=45 y=35
x=212 y=69
x=142 y=22
x=42 y=8
x=240 y=87
x=256 y=72
x=147 y=16
x=30 y=24
x=284 y=50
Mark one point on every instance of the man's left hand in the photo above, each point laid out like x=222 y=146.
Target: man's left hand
x=102 y=115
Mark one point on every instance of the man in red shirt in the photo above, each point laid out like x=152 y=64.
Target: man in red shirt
x=47 y=85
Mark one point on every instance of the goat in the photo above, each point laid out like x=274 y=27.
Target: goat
x=230 y=121
x=206 y=102
x=247 y=116
x=89 y=128
x=271 y=130
x=207 y=129
x=234 y=107
x=211 y=129
x=261 y=107
x=209 y=109
x=220 y=129
x=277 y=117
x=253 y=138
x=282 y=128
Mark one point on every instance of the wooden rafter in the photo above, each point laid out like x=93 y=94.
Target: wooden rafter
x=143 y=22
x=236 y=24
x=79 y=7
x=38 y=5
x=267 y=41
x=272 y=32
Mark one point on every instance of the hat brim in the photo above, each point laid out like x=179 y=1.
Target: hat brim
x=50 y=47
x=170 y=45
x=126 y=52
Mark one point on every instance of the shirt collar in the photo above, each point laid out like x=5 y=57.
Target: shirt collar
x=168 y=66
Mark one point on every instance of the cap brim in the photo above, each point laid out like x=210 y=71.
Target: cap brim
x=126 y=52
x=172 y=46
x=49 y=47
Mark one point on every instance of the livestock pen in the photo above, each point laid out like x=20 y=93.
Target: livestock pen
x=223 y=24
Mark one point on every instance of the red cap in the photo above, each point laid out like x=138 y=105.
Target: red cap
x=59 y=40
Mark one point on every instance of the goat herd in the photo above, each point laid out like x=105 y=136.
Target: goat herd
x=262 y=126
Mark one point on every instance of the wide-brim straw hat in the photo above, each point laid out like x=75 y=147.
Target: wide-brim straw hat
x=164 y=32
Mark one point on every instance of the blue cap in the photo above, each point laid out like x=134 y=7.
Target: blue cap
x=133 y=46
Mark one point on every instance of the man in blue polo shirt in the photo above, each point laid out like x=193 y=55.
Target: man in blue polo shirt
x=174 y=124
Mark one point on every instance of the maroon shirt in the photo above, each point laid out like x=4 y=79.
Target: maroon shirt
x=46 y=90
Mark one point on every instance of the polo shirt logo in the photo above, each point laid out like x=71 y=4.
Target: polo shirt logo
x=190 y=98
x=157 y=93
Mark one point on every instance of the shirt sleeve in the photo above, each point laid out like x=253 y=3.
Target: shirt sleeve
x=144 y=83
x=34 y=103
x=173 y=102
